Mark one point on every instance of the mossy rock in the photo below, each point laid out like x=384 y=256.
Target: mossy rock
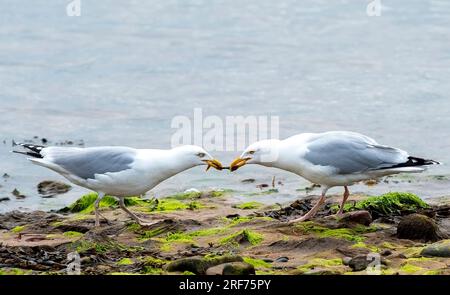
x=418 y=227
x=85 y=204
x=244 y=237
x=440 y=249
x=199 y=265
x=390 y=204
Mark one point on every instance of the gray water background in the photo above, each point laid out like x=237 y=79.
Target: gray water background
x=119 y=73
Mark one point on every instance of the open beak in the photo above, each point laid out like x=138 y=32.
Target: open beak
x=238 y=163
x=213 y=163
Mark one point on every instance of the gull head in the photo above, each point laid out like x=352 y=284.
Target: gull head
x=196 y=156
x=262 y=152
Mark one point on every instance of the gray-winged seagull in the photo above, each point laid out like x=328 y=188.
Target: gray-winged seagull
x=118 y=171
x=336 y=158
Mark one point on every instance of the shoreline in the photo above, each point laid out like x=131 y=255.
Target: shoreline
x=206 y=232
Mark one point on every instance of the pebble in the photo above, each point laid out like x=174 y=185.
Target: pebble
x=282 y=259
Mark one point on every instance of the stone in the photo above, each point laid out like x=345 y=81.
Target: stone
x=359 y=217
x=282 y=259
x=346 y=260
x=418 y=227
x=238 y=268
x=439 y=249
x=359 y=262
x=386 y=252
x=199 y=265
x=50 y=188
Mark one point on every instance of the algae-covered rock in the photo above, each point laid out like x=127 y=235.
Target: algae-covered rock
x=394 y=203
x=439 y=249
x=418 y=227
x=199 y=265
x=244 y=237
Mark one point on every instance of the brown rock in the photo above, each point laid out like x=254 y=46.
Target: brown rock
x=419 y=227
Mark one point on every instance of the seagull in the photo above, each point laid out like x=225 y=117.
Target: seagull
x=335 y=158
x=118 y=171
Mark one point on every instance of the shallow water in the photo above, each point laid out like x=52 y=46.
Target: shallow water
x=120 y=72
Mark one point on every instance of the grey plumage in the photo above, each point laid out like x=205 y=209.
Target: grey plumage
x=86 y=162
x=352 y=153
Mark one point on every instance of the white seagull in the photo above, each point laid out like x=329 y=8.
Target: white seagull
x=118 y=171
x=336 y=158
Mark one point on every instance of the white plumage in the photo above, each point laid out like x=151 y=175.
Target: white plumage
x=336 y=158
x=119 y=171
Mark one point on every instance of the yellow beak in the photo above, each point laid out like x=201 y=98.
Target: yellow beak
x=213 y=163
x=238 y=163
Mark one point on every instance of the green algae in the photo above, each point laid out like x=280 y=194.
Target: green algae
x=363 y=245
x=125 y=261
x=244 y=219
x=18 y=229
x=410 y=268
x=349 y=234
x=184 y=196
x=82 y=246
x=334 y=264
x=249 y=205
x=257 y=263
x=72 y=234
x=188 y=273
x=85 y=204
x=252 y=237
x=393 y=203
x=15 y=271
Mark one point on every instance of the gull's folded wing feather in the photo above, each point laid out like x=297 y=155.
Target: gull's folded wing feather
x=85 y=163
x=349 y=152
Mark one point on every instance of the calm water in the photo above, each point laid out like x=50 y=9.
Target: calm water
x=120 y=72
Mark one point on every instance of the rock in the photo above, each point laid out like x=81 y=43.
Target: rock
x=232 y=216
x=322 y=271
x=359 y=263
x=4 y=199
x=267 y=260
x=418 y=227
x=386 y=252
x=440 y=249
x=215 y=270
x=232 y=268
x=50 y=188
x=77 y=225
x=282 y=259
x=358 y=217
x=346 y=260
x=199 y=265
x=238 y=268
x=17 y=194
x=248 y=180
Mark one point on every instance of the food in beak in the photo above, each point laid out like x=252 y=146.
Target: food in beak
x=213 y=163
x=237 y=163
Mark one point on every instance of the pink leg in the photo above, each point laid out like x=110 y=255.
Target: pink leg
x=344 y=199
x=311 y=213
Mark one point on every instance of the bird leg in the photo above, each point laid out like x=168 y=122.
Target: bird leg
x=311 y=213
x=344 y=199
x=96 y=209
x=140 y=221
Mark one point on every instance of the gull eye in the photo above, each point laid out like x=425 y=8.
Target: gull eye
x=201 y=155
x=251 y=152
